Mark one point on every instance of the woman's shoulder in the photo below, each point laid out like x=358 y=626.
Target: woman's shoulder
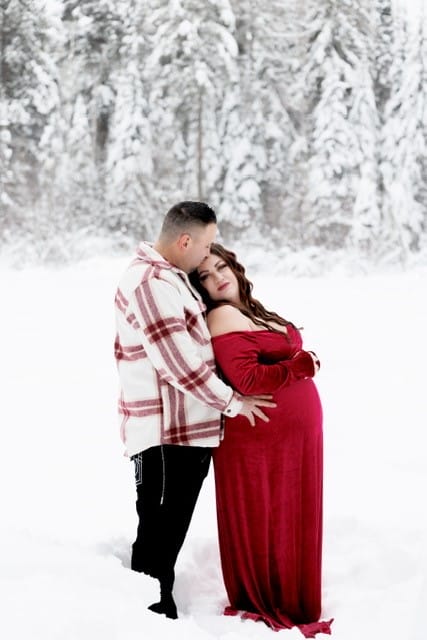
x=227 y=318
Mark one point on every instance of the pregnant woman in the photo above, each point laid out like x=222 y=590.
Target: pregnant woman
x=268 y=478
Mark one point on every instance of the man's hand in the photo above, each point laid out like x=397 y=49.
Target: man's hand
x=251 y=410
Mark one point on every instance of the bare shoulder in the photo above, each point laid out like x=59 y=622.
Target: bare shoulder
x=227 y=318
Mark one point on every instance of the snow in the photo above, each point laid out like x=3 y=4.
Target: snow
x=68 y=514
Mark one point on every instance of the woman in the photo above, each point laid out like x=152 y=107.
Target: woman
x=268 y=478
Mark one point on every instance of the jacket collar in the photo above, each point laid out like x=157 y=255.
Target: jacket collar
x=147 y=254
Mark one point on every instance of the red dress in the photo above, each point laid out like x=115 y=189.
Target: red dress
x=268 y=482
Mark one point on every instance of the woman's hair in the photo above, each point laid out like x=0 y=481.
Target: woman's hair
x=250 y=307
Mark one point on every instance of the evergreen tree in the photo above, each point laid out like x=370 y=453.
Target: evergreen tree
x=272 y=125
x=29 y=98
x=382 y=51
x=132 y=206
x=190 y=69
x=77 y=191
x=242 y=134
x=343 y=137
x=241 y=208
x=403 y=141
x=95 y=33
x=289 y=36
x=421 y=188
x=365 y=234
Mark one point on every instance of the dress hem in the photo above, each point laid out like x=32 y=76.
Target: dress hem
x=309 y=630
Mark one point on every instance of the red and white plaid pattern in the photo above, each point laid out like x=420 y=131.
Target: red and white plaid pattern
x=169 y=393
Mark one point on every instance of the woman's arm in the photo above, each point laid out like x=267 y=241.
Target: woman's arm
x=237 y=356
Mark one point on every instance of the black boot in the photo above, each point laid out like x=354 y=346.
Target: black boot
x=166 y=604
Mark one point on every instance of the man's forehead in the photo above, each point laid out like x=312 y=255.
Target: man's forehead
x=208 y=233
x=212 y=230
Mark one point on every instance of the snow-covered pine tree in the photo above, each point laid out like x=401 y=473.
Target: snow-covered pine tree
x=365 y=232
x=421 y=188
x=342 y=138
x=190 y=70
x=403 y=141
x=240 y=207
x=76 y=190
x=269 y=39
x=382 y=63
x=130 y=193
x=242 y=134
x=327 y=206
x=382 y=52
x=29 y=98
x=281 y=43
x=95 y=33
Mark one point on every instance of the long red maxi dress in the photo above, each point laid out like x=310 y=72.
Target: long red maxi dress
x=268 y=481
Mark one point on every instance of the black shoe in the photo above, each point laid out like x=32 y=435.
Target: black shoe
x=166 y=605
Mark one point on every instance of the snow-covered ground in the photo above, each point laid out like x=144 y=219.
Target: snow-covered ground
x=67 y=507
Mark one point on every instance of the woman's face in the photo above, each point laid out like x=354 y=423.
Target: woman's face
x=218 y=279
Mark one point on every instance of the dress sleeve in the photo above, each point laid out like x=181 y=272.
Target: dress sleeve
x=237 y=355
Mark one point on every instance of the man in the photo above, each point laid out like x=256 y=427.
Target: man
x=171 y=400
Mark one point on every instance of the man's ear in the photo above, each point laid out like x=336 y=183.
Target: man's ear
x=184 y=240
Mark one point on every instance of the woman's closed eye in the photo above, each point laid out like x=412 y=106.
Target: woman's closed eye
x=218 y=267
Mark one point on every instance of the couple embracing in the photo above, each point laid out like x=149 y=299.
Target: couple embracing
x=207 y=372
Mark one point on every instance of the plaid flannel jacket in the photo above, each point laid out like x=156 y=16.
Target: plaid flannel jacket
x=169 y=391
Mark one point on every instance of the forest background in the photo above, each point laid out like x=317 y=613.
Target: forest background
x=304 y=124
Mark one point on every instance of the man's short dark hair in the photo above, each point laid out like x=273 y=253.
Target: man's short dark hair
x=184 y=215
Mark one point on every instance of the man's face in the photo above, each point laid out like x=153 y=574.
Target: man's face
x=200 y=240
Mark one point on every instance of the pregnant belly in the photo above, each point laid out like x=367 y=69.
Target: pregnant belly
x=298 y=414
x=298 y=405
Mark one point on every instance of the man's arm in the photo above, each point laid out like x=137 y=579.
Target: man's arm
x=158 y=309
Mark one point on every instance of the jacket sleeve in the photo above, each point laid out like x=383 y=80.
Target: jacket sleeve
x=158 y=309
x=238 y=358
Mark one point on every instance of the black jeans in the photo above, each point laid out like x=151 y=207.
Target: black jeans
x=169 y=479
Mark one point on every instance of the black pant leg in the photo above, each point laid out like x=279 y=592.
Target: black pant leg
x=149 y=479
x=186 y=469
x=171 y=477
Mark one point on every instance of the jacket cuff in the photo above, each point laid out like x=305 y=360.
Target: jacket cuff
x=234 y=407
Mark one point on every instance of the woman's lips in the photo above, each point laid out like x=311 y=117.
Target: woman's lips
x=223 y=286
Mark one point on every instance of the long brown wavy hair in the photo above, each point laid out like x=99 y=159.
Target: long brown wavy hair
x=249 y=306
